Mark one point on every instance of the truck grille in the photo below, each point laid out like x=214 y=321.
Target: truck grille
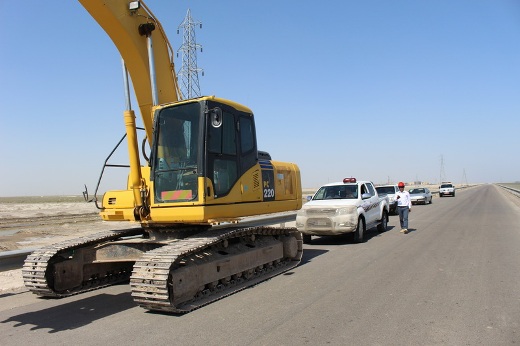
x=319 y=222
x=324 y=211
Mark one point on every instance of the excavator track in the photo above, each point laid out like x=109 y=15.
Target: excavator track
x=174 y=275
x=195 y=271
x=36 y=269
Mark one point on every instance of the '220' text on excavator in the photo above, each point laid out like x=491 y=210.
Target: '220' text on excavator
x=204 y=168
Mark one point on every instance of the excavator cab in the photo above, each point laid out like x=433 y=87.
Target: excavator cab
x=202 y=139
x=205 y=168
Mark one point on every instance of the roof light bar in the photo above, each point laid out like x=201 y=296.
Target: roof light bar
x=349 y=180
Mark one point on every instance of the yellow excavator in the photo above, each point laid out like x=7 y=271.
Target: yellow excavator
x=203 y=169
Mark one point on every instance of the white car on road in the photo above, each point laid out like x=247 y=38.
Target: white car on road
x=349 y=206
x=446 y=189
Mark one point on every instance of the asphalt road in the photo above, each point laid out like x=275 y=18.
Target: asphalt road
x=453 y=280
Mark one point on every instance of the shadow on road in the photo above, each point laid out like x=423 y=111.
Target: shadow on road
x=309 y=254
x=75 y=314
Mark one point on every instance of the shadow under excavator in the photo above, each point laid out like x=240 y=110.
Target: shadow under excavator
x=75 y=314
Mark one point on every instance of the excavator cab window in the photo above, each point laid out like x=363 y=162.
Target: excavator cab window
x=176 y=147
x=231 y=146
x=222 y=154
x=248 y=150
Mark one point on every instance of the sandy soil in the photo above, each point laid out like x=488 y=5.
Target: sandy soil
x=31 y=225
x=25 y=226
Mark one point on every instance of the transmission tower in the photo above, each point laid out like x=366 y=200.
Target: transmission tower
x=464 y=178
x=442 y=175
x=189 y=72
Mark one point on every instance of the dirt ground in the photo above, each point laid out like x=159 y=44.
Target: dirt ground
x=32 y=225
x=28 y=224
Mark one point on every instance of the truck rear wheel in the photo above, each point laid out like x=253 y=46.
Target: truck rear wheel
x=383 y=226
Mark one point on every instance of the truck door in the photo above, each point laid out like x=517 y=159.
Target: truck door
x=373 y=212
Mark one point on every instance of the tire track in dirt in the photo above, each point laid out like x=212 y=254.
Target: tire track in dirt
x=10 y=223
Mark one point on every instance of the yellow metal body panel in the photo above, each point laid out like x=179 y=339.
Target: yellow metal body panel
x=118 y=206
x=244 y=199
x=236 y=105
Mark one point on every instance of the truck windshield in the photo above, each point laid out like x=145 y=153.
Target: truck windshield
x=337 y=192
x=176 y=149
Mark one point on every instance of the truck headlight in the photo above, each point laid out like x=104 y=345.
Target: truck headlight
x=350 y=209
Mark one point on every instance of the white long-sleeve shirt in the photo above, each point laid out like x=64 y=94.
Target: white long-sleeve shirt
x=404 y=199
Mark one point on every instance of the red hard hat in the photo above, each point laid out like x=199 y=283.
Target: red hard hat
x=401 y=184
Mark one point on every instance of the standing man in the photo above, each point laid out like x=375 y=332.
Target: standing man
x=404 y=206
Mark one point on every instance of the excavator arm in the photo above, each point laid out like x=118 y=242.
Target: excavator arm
x=128 y=28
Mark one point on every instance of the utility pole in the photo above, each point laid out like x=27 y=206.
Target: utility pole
x=464 y=178
x=189 y=72
x=442 y=175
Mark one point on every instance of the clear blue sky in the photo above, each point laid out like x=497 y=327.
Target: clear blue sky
x=379 y=90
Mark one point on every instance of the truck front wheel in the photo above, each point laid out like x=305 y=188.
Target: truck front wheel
x=359 y=233
x=307 y=238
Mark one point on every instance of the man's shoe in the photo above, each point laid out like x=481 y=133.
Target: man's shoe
x=405 y=231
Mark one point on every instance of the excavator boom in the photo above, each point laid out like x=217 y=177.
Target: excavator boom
x=122 y=25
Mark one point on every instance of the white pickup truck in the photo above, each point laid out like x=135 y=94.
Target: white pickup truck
x=349 y=206
x=446 y=189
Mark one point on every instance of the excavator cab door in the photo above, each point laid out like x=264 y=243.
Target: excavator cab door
x=231 y=146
